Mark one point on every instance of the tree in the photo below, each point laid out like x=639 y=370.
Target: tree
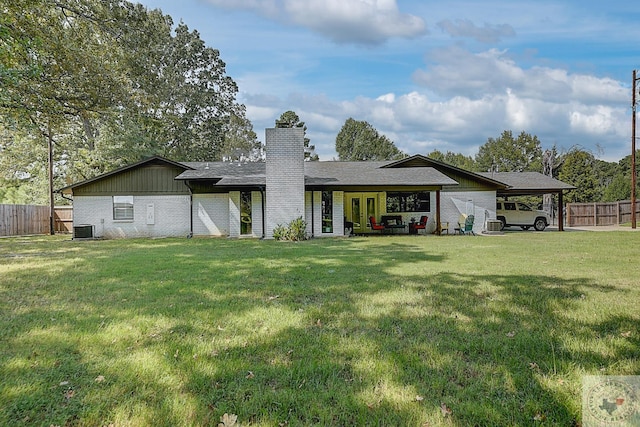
x=106 y=82
x=289 y=119
x=509 y=154
x=579 y=169
x=359 y=141
x=240 y=141
x=618 y=184
x=454 y=159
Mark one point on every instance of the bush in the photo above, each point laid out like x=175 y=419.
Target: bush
x=295 y=231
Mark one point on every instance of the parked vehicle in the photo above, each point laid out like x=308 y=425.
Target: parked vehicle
x=521 y=215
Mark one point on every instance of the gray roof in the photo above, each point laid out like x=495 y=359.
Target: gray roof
x=319 y=174
x=528 y=182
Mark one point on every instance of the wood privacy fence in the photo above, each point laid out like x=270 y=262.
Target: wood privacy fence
x=20 y=220
x=594 y=214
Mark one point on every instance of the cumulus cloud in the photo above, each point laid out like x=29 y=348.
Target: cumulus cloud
x=342 y=21
x=467 y=98
x=459 y=72
x=486 y=34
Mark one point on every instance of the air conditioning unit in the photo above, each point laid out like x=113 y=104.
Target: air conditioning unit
x=83 y=231
x=494 y=225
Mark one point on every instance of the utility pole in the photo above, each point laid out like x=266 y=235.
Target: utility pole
x=633 y=151
x=52 y=210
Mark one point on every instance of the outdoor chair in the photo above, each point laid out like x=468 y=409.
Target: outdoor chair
x=375 y=226
x=467 y=226
x=422 y=224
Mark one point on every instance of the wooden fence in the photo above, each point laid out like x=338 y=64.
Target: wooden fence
x=20 y=220
x=594 y=214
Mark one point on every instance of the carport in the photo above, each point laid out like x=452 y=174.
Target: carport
x=531 y=184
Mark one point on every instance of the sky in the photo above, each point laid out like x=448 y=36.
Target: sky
x=431 y=75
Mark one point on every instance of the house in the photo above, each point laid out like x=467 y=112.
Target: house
x=160 y=197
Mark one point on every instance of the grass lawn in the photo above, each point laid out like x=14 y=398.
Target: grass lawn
x=385 y=331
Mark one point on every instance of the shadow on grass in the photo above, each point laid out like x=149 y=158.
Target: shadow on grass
x=344 y=332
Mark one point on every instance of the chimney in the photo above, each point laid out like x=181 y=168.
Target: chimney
x=285 y=177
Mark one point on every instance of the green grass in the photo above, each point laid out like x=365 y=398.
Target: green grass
x=360 y=331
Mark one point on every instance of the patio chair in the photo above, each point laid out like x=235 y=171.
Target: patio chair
x=422 y=224
x=467 y=227
x=375 y=226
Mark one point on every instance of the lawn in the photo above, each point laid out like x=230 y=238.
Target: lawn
x=385 y=331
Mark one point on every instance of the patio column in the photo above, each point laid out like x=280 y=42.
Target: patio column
x=560 y=212
x=438 y=227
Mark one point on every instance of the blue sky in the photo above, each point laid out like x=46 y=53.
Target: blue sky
x=430 y=75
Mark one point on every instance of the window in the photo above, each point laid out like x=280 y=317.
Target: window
x=327 y=212
x=123 y=208
x=408 y=202
x=245 y=212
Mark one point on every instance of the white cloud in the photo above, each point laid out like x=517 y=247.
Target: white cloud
x=486 y=34
x=468 y=98
x=342 y=21
x=457 y=71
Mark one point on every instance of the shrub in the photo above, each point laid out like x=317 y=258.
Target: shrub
x=295 y=231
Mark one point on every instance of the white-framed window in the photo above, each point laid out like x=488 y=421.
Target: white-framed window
x=123 y=207
x=327 y=211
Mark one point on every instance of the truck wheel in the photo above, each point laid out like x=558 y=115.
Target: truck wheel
x=540 y=224
x=503 y=221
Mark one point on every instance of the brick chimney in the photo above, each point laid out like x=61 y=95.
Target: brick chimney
x=285 y=177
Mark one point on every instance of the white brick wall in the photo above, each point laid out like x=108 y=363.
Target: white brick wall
x=234 y=213
x=170 y=216
x=338 y=214
x=256 y=213
x=211 y=214
x=285 y=195
x=454 y=203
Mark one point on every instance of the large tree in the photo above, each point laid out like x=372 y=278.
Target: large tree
x=289 y=119
x=359 y=141
x=106 y=82
x=579 y=168
x=240 y=141
x=509 y=154
x=455 y=159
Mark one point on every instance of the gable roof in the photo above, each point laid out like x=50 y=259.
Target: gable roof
x=155 y=160
x=418 y=160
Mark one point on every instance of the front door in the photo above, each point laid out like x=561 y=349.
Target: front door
x=358 y=207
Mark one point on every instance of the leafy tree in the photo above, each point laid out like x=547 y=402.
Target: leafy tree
x=359 y=141
x=509 y=154
x=241 y=142
x=106 y=82
x=618 y=186
x=289 y=119
x=455 y=159
x=618 y=189
x=579 y=169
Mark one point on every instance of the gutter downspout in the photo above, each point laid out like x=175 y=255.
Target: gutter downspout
x=264 y=219
x=65 y=197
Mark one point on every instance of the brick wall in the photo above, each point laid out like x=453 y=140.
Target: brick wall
x=170 y=216
x=285 y=195
x=481 y=203
x=211 y=214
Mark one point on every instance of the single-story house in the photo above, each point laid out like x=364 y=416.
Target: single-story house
x=159 y=197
